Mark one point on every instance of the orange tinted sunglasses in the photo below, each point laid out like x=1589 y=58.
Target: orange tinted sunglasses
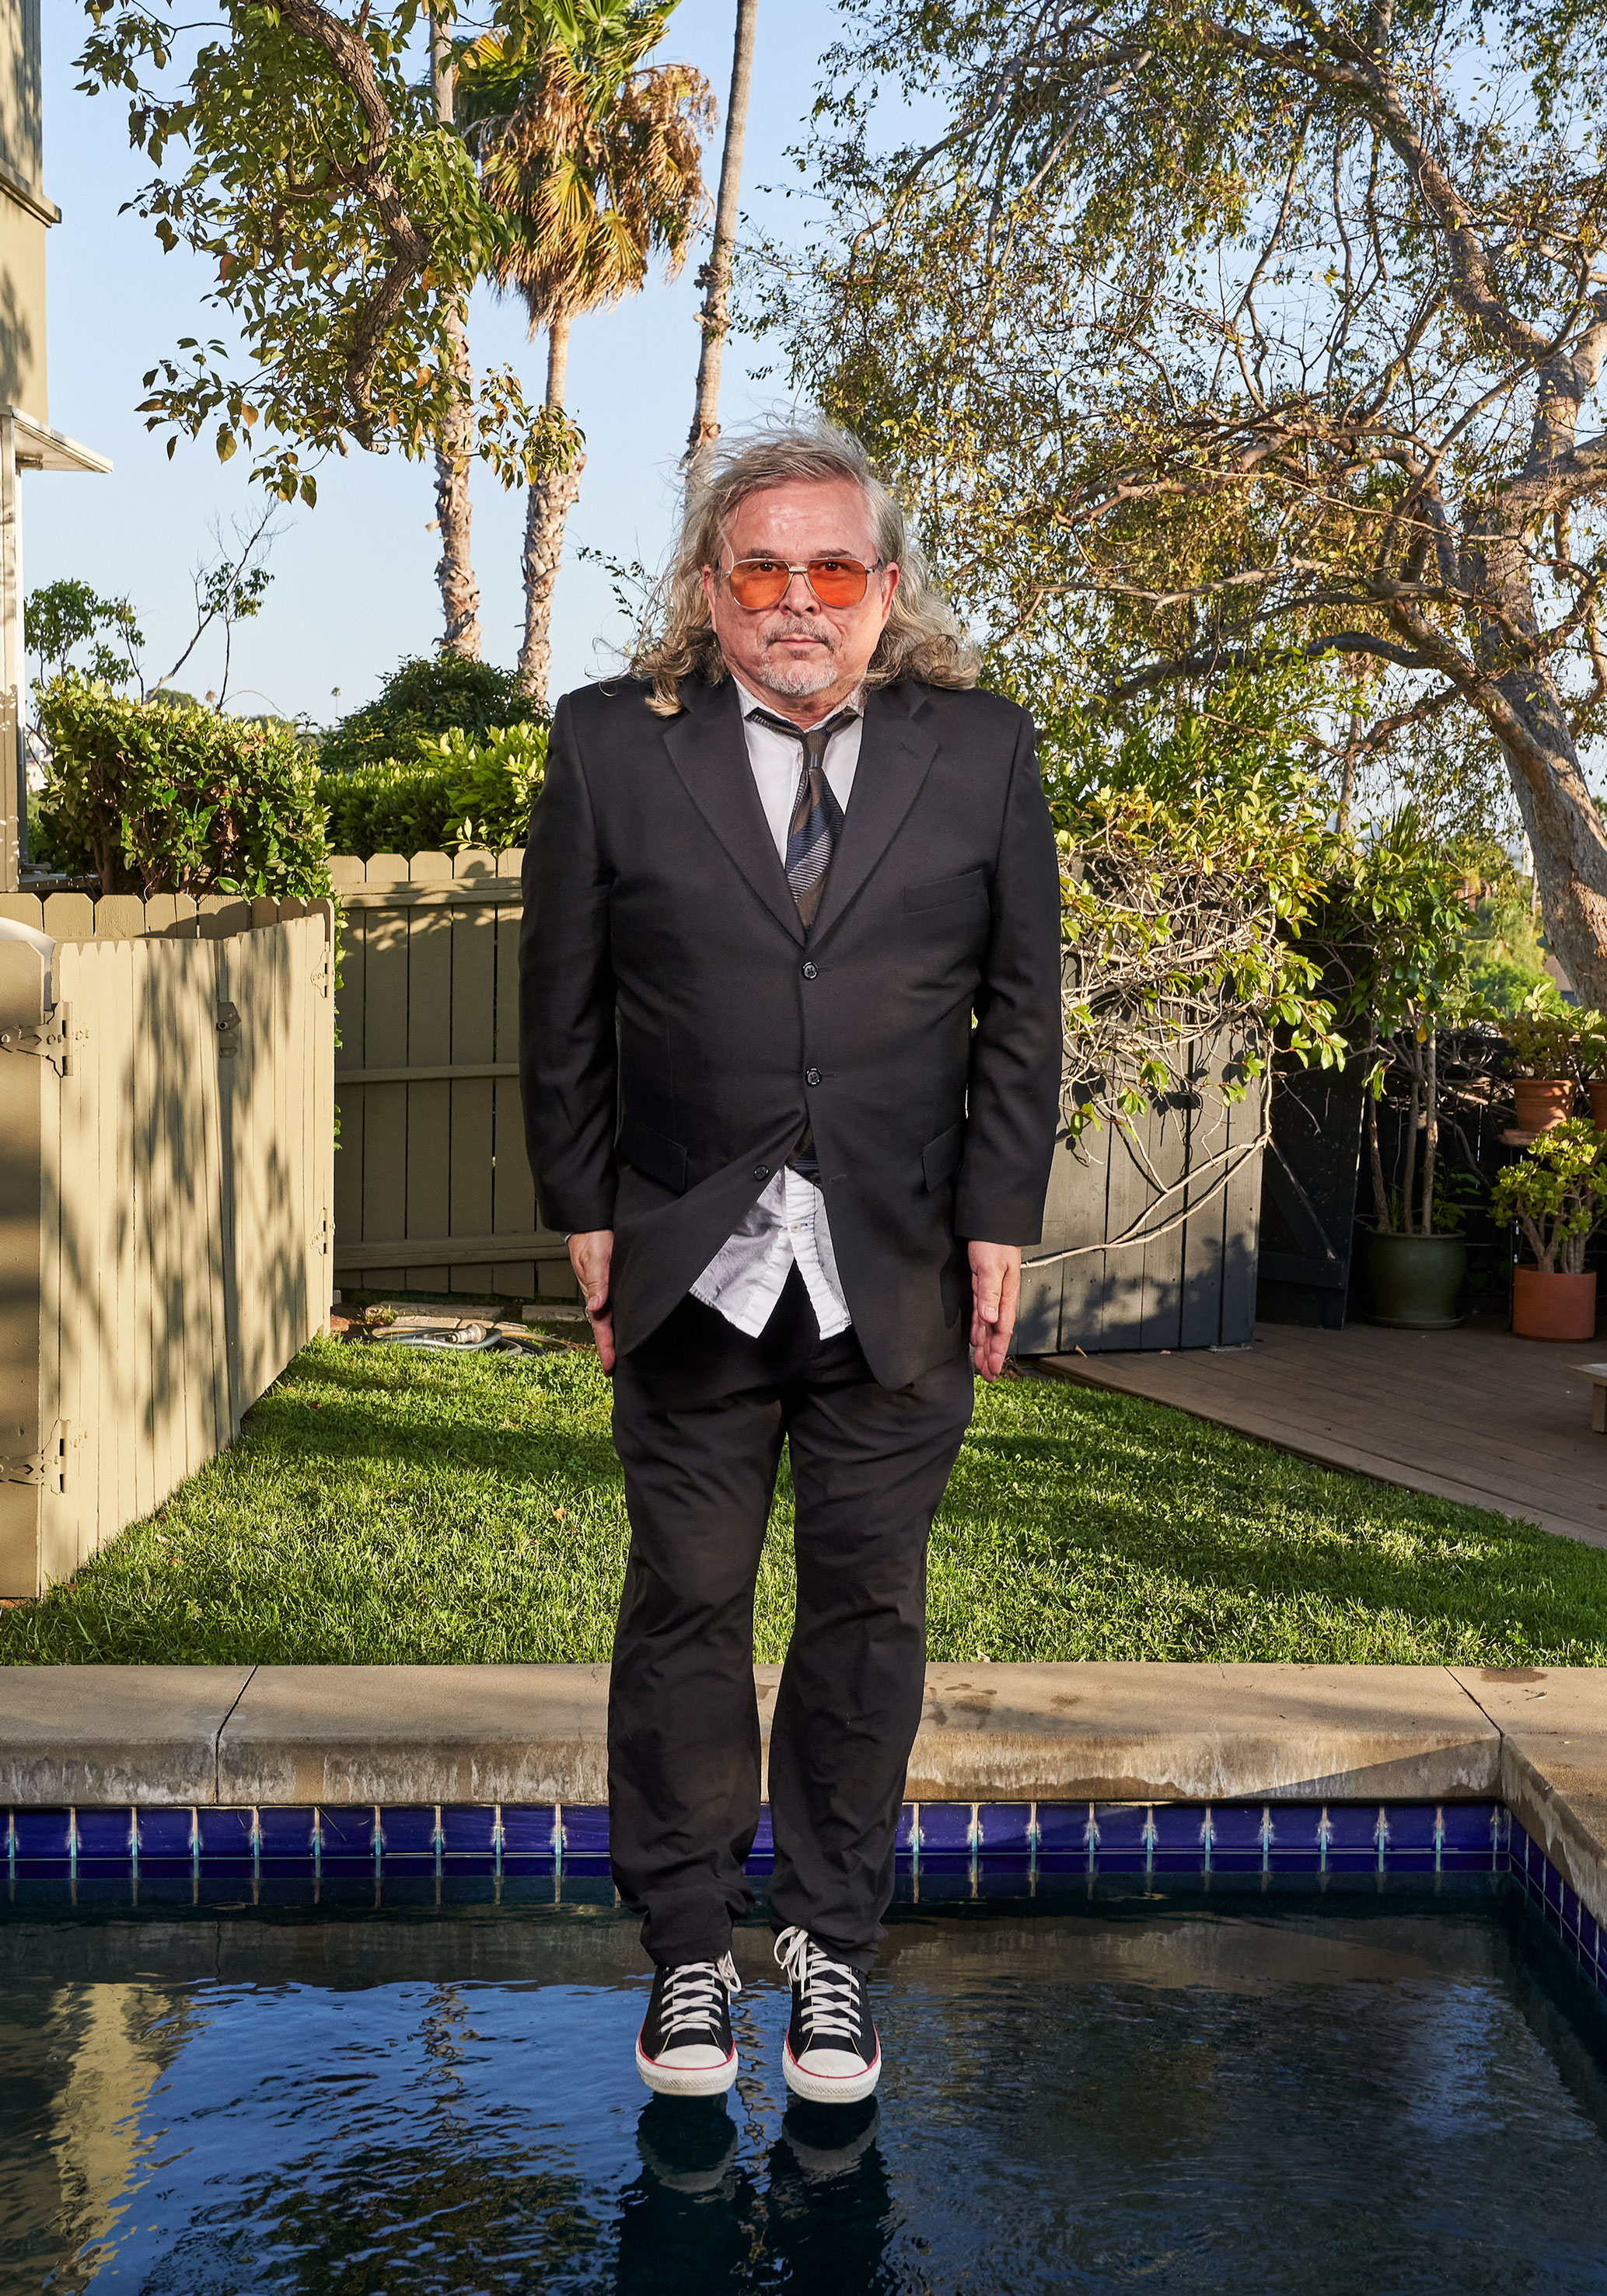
x=757 y=583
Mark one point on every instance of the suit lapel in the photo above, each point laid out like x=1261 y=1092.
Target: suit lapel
x=895 y=756
x=709 y=751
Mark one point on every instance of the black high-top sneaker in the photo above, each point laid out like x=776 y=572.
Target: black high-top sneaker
x=832 y=2053
x=685 y=2047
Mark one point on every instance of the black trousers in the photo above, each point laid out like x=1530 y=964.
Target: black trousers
x=700 y=1412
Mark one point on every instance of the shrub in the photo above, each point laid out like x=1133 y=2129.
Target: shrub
x=456 y=792
x=166 y=796
x=440 y=694
x=1557 y=1193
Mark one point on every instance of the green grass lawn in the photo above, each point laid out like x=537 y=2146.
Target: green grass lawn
x=387 y=1506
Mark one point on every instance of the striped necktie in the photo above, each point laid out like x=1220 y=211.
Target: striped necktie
x=812 y=837
x=816 y=822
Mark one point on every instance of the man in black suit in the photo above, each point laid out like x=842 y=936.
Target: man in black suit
x=791 y=1058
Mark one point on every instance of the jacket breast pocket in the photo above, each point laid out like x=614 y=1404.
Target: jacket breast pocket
x=650 y=1153
x=943 y=891
x=940 y=1158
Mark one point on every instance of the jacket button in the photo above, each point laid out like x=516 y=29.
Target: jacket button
x=808 y=972
x=811 y=1076
x=761 y=1171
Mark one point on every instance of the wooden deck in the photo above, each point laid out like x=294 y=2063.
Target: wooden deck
x=1475 y=1415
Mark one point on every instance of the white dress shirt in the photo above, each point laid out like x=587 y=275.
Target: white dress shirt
x=787 y=1226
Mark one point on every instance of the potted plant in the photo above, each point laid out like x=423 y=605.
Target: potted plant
x=1592 y=1065
x=1408 y=980
x=1557 y=1194
x=1543 y=1037
x=1416 y=1258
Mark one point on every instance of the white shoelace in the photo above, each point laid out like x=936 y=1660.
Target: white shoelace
x=828 y=1988
x=692 y=1994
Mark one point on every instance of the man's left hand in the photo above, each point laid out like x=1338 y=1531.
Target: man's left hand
x=995 y=1286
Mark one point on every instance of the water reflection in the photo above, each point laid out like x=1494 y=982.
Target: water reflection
x=1293 y=2100
x=696 y=2220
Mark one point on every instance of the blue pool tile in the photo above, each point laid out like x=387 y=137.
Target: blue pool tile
x=527 y=1830
x=285 y=1833
x=407 y=1830
x=1570 y=1911
x=1296 y=1829
x=224 y=1832
x=1062 y=1830
x=1352 y=1827
x=904 y=1840
x=346 y=1831
x=1004 y=1830
x=468 y=1829
x=167 y=1832
x=42 y=1832
x=1235 y=1830
x=1590 y=1935
x=1123 y=1829
x=1413 y=1824
x=1553 y=1883
x=584 y=1833
x=106 y=1834
x=1468 y=1826
x=946 y=1829
x=761 y=1858
x=1180 y=1829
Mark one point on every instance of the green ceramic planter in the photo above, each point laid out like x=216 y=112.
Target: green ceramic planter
x=1414 y=1280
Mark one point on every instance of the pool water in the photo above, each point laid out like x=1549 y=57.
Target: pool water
x=1156 y=2091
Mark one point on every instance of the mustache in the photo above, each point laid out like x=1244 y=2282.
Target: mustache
x=793 y=625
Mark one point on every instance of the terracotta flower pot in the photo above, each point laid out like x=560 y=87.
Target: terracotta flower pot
x=1543 y=1101
x=1414 y=1280
x=1553 y=1307
x=1598 y=1106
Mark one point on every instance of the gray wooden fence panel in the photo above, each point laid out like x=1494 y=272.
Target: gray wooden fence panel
x=429 y=1021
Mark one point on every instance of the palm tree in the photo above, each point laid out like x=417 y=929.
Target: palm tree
x=593 y=162
x=715 y=278
x=455 y=446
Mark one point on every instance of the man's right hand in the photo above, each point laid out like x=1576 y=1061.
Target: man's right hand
x=591 y=1252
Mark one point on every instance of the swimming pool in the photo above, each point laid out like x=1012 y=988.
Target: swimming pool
x=299 y=2076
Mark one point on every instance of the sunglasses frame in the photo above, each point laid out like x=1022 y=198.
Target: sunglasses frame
x=877 y=567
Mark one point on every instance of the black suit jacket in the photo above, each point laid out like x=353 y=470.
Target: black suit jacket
x=677 y=1028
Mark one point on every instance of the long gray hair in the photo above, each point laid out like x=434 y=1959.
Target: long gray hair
x=922 y=638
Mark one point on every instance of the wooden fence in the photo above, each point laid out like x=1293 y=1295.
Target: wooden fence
x=433 y=1191
x=1185 y=1180
x=165 y=1184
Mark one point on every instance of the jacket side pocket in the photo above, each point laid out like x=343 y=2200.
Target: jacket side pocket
x=940 y=1158
x=650 y=1153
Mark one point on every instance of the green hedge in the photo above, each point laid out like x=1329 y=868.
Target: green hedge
x=441 y=693
x=171 y=797
x=456 y=792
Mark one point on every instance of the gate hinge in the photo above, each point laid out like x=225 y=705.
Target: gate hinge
x=323 y=979
x=322 y=1234
x=46 y=1468
x=52 y=1041
x=228 y=1029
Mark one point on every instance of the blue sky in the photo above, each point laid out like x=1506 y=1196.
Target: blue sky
x=353 y=589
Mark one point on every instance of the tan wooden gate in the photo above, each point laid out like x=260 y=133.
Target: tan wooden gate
x=432 y=1190
x=166 y=1183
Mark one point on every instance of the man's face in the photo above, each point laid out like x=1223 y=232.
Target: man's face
x=803 y=657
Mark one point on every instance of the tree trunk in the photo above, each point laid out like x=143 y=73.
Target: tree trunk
x=551 y=500
x=1431 y=1129
x=715 y=274
x=1529 y=721
x=453 y=446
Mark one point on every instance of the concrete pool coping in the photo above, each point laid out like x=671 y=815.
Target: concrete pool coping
x=268 y=1736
